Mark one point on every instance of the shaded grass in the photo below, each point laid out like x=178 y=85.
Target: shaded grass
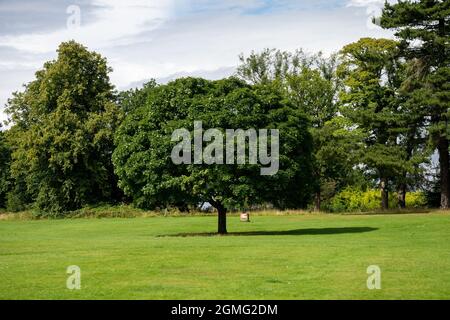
x=297 y=232
x=272 y=257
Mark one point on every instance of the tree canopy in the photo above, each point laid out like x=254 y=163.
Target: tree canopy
x=370 y=71
x=311 y=84
x=423 y=28
x=63 y=125
x=146 y=171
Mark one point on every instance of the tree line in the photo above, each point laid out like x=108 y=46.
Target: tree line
x=370 y=116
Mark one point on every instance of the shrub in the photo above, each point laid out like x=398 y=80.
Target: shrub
x=417 y=199
x=354 y=199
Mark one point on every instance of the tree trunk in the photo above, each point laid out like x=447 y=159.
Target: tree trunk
x=444 y=171
x=401 y=196
x=222 y=225
x=222 y=216
x=384 y=194
x=317 y=201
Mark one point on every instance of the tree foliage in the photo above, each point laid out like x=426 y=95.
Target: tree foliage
x=372 y=72
x=146 y=171
x=5 y=159
x=423 y=28
x=63 y=126
x=310 y=83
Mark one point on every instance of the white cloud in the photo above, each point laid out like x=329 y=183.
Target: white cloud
x=373 y=9
x=15 y=65
x=145 y=39
x=115 y=21
x=366 y=3
x=208 y=42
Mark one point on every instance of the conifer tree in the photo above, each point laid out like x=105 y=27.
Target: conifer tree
x=371 y=71
x=423 y=28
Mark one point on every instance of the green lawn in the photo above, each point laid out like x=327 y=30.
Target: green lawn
x=273 y=257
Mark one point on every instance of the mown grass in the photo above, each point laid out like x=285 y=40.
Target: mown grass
x=308 y=256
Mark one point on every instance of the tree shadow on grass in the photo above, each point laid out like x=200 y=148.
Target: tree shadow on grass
x=391 y=212
x=294 y=232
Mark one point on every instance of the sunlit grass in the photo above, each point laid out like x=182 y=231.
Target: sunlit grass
x=284 y=256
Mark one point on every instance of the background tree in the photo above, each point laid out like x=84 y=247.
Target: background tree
x=5 y=159
x=132 y=99
x=411 y=138
x=310 y=83
x=63 y=126
x=148 y=175
x=313 y=88
x=371 y=70
x=271 y=64
x=423 y=28
x=335 y=158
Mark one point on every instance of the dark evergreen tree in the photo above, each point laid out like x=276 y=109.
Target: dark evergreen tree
x=372 y=73
x=423 y=28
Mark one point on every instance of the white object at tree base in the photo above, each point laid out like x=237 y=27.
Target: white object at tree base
x=245 y=217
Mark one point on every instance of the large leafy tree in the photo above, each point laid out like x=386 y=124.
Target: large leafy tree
x=134 y=98
x=62 y=134
x=372 y=72
x=143 y=155
x=423 y=28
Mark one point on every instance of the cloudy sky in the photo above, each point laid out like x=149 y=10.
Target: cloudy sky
x=164 y=39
